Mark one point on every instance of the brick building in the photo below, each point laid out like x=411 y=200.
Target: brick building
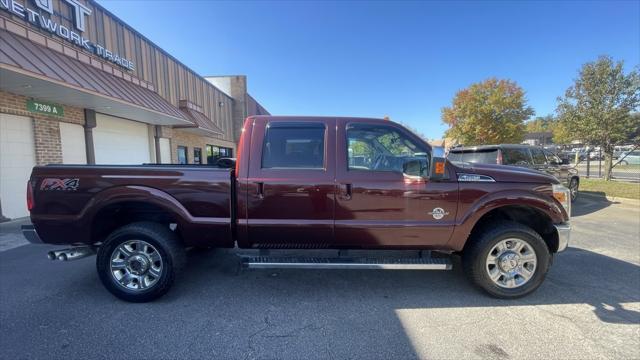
x=79 y=86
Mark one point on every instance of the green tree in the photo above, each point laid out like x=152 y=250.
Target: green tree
x=560 y=133
x=597 y=108
x=540 y=124
x=551 y=124
x=492 y=111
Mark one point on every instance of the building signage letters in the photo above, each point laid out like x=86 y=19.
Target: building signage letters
x=45 y=108
x=80 y=12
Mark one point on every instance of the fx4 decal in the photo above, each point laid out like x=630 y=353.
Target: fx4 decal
x=51 y=184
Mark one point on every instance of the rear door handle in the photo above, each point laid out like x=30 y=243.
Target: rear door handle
x=346 y=191
x=260 y=191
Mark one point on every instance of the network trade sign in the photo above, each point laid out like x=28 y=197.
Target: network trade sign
x=38 y=17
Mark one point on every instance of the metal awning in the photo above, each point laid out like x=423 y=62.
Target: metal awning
x=32 y=70
x=202 y=124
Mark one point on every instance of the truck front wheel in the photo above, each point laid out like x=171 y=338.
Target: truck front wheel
x=138 y=262
x=508 y=260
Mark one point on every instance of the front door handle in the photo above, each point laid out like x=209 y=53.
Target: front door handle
x=345 y=191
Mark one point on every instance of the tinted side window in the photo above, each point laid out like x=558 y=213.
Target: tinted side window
x=476 y=157
x=519 y=157
x=384 y=148
x=538 y=156
x=293 y=145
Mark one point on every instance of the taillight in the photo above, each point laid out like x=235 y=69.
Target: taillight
x=30 y=202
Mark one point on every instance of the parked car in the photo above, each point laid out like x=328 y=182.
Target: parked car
x=533 y=157
x=630 y=158
x=306 y=183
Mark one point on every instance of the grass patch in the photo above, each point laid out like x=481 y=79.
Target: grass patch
x=611 y=188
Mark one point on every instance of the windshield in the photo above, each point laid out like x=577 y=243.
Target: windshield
x=489 y=156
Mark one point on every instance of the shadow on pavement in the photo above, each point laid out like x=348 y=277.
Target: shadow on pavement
x=589 y=202
x=577 y=277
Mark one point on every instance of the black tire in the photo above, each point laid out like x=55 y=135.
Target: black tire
x=168 y=246
x=474 y=258
x=574 y=192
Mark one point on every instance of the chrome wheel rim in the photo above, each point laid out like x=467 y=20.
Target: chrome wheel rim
x=136 y=265
x=573 y=188
x=511 y=263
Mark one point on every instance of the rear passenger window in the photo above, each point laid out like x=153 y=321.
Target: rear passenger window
x=518 y=157
x=538 y=156
x=293 y=145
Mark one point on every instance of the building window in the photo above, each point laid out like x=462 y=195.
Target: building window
x=197 y=155
x=294 y=145
x=182 y=155
x=216 y=152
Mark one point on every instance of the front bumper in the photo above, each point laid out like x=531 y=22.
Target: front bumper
x=30 y=234
x=564 y=235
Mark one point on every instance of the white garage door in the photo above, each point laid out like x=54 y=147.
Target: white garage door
x=17 y=158
x=72 y=139
x=119 y=141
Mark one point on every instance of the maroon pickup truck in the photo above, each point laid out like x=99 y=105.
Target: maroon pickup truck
x=306 y=183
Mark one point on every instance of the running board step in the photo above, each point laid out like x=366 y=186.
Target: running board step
x=267 y=262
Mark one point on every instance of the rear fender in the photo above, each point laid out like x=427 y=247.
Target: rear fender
x=202 y=231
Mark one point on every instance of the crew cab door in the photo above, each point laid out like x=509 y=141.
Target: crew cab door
x=383 y=199
x=290 y=187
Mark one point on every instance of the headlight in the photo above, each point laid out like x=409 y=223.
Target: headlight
x=563 y=195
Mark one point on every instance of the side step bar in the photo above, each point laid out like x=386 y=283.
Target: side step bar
x=267 y=262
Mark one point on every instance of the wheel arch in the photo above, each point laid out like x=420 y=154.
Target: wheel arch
x=526 y=215
x=120 y=206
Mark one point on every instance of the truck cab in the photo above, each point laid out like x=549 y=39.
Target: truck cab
x=340 y=183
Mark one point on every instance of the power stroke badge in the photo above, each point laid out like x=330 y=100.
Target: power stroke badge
x=51 y=184
x=438 y=213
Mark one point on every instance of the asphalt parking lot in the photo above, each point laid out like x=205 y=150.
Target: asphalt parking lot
x=589 y=307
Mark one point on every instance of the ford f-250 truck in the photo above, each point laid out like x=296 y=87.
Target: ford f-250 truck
x=306 y=183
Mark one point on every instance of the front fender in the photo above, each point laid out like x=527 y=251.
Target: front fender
x=469 y=215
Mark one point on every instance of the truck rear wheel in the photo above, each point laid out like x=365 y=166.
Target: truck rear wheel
x=508 y=260
x=138 y=262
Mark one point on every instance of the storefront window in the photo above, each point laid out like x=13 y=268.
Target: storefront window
x=197 y=155
x=216 y=152
x=182 y=155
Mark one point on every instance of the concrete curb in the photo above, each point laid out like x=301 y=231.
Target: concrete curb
x=611 y=199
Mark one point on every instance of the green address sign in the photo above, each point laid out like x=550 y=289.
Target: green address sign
x=45 y=108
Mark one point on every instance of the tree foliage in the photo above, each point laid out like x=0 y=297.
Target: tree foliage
x=540 y=124
x=492 y=111
x=597 y=108
x=551 y=124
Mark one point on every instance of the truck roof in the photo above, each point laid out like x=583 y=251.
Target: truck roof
x=314 y=118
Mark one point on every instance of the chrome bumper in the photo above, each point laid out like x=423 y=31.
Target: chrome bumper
x=30 y=234
x=564 y=235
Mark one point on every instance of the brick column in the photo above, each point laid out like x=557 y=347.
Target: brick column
x=89 y=124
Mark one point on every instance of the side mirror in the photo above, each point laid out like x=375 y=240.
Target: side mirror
x=437 y=171
x=414 y=167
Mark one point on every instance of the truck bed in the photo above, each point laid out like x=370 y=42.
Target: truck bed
x=69 y=200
